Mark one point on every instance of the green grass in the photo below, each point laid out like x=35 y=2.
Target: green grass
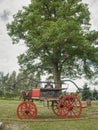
x=8 y=110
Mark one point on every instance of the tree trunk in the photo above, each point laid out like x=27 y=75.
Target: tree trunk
x=56 y=75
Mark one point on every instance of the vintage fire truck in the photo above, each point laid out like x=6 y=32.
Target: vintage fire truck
x=67 y=106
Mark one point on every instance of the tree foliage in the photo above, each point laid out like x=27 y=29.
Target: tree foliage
x=58 y=37
x=12 y=84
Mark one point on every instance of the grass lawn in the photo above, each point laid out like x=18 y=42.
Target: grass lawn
x=8 y=110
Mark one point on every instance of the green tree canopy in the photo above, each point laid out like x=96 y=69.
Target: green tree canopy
x=58 y=37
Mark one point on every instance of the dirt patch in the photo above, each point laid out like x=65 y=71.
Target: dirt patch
x=15 y=127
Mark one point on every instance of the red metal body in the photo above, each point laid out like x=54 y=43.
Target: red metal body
x=35 y=94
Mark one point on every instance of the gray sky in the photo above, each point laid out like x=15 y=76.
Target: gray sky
x=9 y=52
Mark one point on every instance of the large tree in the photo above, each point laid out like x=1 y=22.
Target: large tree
x=58 y=38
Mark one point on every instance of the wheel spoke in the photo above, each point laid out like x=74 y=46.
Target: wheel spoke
x=55 y=107
x=75 y=115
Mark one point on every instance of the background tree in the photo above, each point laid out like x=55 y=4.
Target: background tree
x=95 y=94
x=26 y=82
x=12 y=84
x=86 y=93
x=58 y=38
x=4 y=82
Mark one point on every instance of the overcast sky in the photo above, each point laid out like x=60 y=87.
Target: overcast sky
x=9 y=52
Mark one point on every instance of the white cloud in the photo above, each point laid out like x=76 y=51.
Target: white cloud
x=93 y=8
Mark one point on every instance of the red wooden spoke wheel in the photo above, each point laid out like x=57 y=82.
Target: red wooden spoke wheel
x=70 y=107
x=27 y=110
x=55 y=107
